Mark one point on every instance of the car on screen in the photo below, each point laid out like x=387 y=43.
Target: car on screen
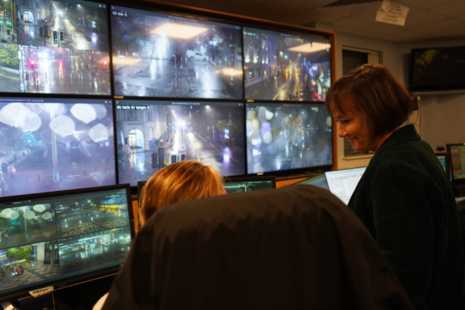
x=193 y=55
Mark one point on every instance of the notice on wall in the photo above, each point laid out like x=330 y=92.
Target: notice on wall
x=392 y=13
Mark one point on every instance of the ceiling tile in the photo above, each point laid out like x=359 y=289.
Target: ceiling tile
x=349 y=24
x=306 y=4
x=370 y=15
x=315 y=15
x=276 y=10
x=375 y=30
x=440 y=26
x=450 y=10
x=423 y=4
x=422 y=18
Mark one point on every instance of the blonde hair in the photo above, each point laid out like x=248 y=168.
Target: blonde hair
x=184 y=180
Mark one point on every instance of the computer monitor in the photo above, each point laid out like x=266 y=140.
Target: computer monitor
x=319 y=180
x=248 y=184
x=62 y=238
x=51 y=144
x=283 y=66
x=162 y=55
x=342 y=183
x=288 y=136
x=457 y=156
x=55 y=47
x=445 y=161
x=152 y=134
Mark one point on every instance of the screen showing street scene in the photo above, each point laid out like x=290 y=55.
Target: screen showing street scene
x=288 y=136
x=286 y=67
x=51 y=144
x=153 y=134
x=33 y=252
x=54 y=47
x=160 y=55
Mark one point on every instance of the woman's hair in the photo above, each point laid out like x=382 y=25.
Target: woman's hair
x=374 y=92
x=184 y=180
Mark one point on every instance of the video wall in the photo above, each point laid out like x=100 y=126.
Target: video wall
x=96 y=93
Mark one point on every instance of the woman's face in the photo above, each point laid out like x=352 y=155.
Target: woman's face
x=352 y=126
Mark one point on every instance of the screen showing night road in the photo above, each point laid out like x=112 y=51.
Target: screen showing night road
x=51 y=144
x=153 y=134
x=54 y=47
x=286 y=67
x=57 y=238
x=287 y=136
x=159 y=55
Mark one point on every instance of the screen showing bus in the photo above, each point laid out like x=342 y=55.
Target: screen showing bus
x=283 y=136
x=51 y=144
x=54 y=47
x=283 y=66
x=47 y=239
x=161 y=55
x=153 y=134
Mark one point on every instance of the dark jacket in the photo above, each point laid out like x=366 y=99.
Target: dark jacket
x=408 y=205
x=297 y=247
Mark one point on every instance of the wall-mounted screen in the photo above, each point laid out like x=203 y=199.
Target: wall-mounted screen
x=286 y=136
x=433 y=69
x=54 y=47
x=286 y=67
x=153 y=134
x=51 y=144
x=62 y=236
x=160 y=55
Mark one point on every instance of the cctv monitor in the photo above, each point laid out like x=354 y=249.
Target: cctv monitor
x=342 y=183
x=248 y=184
x=163 y=55
x=288 y=137
x=319 y=180
x=286 y=67
x=51 y=144
x=62 y=238
x=59 y=47
x=152 y=134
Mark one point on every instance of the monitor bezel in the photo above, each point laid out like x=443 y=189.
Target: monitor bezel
x=75 y=279
x=252 y=178
x=452 y=179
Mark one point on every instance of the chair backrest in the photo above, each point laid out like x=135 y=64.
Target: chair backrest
x=296 y=247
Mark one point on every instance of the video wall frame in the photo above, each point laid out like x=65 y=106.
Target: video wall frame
x=109 y=50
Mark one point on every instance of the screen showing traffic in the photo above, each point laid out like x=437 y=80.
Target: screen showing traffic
x=153 y=134
x=160 y=55
x=54 y=47
x=285 y=67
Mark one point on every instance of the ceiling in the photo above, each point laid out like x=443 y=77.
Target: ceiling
x=427 y=20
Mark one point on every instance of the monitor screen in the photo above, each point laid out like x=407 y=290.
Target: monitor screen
x=285 y=136
x=51 y=144
x=284 y=66
x=55 y=47
x=152 y=134
x=444 y=160
x=319 y=181
x=161 y=55
x=437 y=69
x=342 y=183
x=62 y=237
x=248 y=184
x=457 y=155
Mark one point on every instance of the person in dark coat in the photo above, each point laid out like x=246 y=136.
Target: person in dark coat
x=295 y=247
x=404 y=197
